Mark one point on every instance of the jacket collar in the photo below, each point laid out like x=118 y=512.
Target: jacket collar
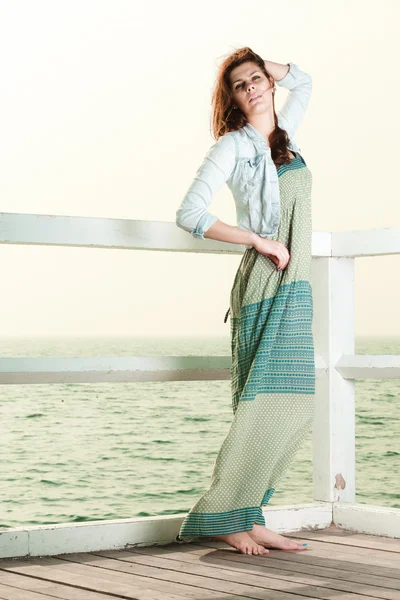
x=260 y=140
x=256 y=136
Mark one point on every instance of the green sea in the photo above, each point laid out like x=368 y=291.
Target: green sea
x=84 y=452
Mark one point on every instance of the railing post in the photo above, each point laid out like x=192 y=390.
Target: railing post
x=334 y=425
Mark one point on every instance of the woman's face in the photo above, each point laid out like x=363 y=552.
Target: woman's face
x=248 y=81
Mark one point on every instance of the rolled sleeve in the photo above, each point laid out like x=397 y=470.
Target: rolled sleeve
x=299 y=84
x=193 y=214
x=203 y=225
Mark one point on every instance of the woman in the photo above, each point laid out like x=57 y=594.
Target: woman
x=271 y=303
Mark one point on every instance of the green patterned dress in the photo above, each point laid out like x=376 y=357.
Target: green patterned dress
x=273 y=372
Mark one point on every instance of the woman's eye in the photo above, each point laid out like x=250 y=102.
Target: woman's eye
x=240 y=84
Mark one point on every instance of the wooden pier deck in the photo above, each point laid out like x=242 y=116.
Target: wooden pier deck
x=338 y=565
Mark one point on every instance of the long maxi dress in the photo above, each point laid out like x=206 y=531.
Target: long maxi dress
x=272 y=372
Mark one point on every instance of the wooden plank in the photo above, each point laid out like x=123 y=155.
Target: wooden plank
x=43 y=587
x=198 y=581
x=367 y=519
x=53 y=369
x=272 y=560
x=12 y=593
x=372 y=242
x=258 y=572
x=103 y=232
x=369 y=366
x=363 y=554
x=100 y=232
x=323 y=558
x=127 y=585
x=366 y=555
x=115 y=369
x=333 y=462
x=334 y=535
x=272 y=567
x=277 y=566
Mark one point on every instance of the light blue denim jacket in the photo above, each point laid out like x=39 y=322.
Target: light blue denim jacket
x=242 y=159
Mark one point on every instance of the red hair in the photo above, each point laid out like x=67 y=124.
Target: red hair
x=226 y=118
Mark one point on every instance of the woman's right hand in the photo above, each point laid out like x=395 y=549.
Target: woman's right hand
x=277 y=251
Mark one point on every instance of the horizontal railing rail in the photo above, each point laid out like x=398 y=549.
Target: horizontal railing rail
x=120 y=369
x=96 y=232
x=170 y=368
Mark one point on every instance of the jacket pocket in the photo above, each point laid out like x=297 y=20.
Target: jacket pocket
x=254 y=169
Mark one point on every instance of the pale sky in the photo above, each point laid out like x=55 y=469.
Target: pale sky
x=97 y=94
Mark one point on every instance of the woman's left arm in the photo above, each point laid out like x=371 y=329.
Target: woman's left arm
x=299 y=84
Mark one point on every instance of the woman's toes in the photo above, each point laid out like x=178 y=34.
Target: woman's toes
x=297 y=545
x=263 y=550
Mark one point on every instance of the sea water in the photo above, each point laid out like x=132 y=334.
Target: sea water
x=83 y=452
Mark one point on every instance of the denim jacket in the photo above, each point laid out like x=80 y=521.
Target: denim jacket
x=242 y=159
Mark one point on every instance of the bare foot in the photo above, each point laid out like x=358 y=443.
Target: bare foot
x=267 y=537
x=242 y=542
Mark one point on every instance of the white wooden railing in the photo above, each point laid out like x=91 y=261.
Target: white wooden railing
x=337 y=367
